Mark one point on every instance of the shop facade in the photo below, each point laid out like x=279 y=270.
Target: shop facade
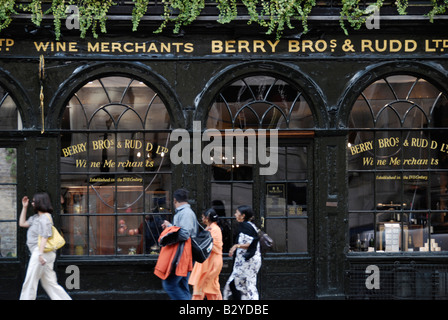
x=354 y=126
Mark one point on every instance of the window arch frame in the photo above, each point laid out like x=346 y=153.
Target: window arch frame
x=316 y=102
x=137 y=73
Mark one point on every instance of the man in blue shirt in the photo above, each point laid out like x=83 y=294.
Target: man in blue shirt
x=185 y=218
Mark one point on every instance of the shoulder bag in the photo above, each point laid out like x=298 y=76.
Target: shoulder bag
x=201 y=245
x=266 y=241
x=55 y=242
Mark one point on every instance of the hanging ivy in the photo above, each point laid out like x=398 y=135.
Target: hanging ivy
x=6 y=10
x=274 y=15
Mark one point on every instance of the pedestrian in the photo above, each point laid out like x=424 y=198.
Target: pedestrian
x=205 y=276
x=40 y=266
x=185 y=221
x=242 y=283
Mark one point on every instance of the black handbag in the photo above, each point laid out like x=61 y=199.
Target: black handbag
x=201 y=245
x=266 y=241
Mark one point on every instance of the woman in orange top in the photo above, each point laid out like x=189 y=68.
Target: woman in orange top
x=205 y=276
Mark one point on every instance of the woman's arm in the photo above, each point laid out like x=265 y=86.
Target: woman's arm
x=22 y=219
x=238 y=246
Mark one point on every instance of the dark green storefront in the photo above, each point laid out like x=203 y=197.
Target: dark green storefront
x=361 y=135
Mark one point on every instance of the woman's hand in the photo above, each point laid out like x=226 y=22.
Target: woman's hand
x=42 y=260
x=238 y=246
x=232 y=250
x=25 y=201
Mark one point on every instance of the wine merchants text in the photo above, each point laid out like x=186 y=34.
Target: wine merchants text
x=416 y=147
x=360 y=45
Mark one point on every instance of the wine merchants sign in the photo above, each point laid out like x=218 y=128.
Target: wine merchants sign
x=203 y=46
x=396 y=152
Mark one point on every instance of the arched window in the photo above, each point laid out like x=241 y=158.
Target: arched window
x=397 y=162
x=115 y=168
x=265 y=102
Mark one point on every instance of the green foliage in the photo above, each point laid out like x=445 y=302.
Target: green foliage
x=438 y=7
x=140 y=8
x=274 y=15
x=6 y=10
x=91 y=14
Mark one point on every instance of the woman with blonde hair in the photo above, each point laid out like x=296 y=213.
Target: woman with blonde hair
x=205 y=276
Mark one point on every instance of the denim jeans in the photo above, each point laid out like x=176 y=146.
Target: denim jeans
x=177 y=287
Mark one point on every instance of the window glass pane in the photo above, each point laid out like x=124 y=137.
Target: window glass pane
x=297 y=159
x=361 y=228
x=9 y=115
x=297 y=235
x=297 y=199
x=8 y=203
x=276 y=228
x=8 y=240
x=280 y=174
x=76 y=236
x=439 y=228
x=361 y=188
x=242 y=195
x=388 y=187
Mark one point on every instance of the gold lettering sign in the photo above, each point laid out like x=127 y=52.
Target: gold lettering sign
x=355 y=44
x=365 y=150
x=105 y=144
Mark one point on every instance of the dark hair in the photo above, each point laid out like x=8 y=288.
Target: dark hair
x=42 y=202
x=247 y=211
x=180 y=195
x=211 y=215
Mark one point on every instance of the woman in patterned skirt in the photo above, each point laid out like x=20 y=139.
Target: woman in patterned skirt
x=242 y=283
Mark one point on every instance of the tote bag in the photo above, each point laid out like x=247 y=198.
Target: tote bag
x=55 y=242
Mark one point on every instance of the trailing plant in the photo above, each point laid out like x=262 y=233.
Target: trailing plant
x=140 y=8
x=437 y=8
x=275 y=15
x=280 y=13
x=6 y=10
x=181 y=12
x=91 y=14
x=227 y=10
x=59 y=11
x=35 y=7
x=402 y=5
